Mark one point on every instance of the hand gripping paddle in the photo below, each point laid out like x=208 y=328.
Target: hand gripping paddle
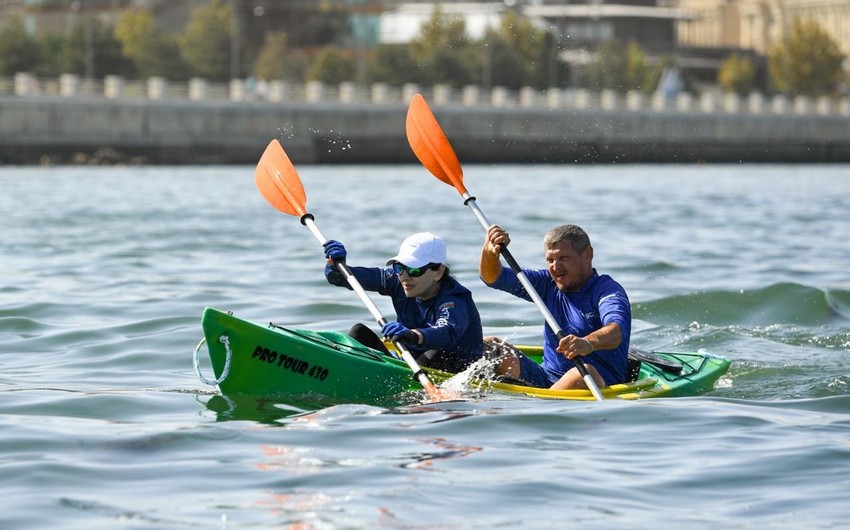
x=279 y=183
x=434 y=151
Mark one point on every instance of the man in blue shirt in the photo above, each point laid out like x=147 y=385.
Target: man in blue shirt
x=592 y=310
x=437 y=318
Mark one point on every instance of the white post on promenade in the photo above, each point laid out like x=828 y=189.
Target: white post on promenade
x=408 y=91
x=802 y=105
x=347 y=92
x=731 y=103
x=779 y=104
x=659 y=102
x=237 y=90
x=635 y=100
x=278 y=90
x=755 y=103
x=315 y=91
x=379 y=93
x=684 y=102
x=527 y=97
x=499 y=96
x=554 y=98
x=24 y=82
x=609 y=99
x=442 y=94
x=156 y=88
x=470 y=95
x=69 y=85
x=113 y=86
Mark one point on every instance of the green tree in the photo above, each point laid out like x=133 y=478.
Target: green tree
x=172 y=64
x=329 y=24
x=270 y=63
x=640 y=75
x=807 y=62
x=205 y=43
x=105 y=49
x=392 y=64
x=19 y=51
x=620 y=68
x=51 y=62
x=608 y=68
x=332 y=66
x=502 y=64
x=150 y=52
x=444 y=53
x=534 y=47
x=296 y=65
x=737 y=74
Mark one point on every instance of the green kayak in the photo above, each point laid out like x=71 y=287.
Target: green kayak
x=269 y=360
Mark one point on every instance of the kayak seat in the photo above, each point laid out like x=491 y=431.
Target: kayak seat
x=365 y=336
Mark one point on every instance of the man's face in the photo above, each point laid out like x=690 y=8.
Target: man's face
x=568 y=268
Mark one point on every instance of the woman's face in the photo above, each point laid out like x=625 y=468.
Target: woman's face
x=425 y=286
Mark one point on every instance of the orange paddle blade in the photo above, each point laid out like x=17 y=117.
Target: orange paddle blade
x=278 y=181
x=430 y=144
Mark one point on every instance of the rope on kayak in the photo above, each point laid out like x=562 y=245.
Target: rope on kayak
x=224 y=339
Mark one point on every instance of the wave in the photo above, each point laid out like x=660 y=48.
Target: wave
x=782 y=303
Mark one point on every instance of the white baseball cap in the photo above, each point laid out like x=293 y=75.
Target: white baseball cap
x=419 y=250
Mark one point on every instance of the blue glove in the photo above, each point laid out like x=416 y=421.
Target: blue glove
x=335 y=250
x=396 y=331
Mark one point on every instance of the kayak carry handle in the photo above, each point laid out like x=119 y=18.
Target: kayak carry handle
x=228 y=356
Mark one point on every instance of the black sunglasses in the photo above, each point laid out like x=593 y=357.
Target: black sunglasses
x=413 y=272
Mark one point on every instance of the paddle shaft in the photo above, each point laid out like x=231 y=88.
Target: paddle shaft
x=432 y=148
x=418 y=373
x=469 y=200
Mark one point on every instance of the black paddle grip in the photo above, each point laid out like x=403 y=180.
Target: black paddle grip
x=305 y=217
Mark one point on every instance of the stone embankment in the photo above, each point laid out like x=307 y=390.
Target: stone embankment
x=154 y=122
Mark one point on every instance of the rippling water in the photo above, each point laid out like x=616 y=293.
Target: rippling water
x=104 y=273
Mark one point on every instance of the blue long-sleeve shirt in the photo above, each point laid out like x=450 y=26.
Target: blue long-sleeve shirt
x=599 y=302
x=449 y=321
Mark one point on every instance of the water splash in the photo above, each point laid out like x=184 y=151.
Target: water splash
x=473 y=378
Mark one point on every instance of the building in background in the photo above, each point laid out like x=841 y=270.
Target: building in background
x=585 y=25
x=747 y=24
x=758 y=25
x=59 y=16
x=581 y=27
x=403 y=22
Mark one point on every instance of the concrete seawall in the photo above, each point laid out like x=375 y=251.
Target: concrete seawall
x=54 y=128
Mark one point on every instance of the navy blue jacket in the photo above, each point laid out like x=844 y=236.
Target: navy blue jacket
x=448 y=322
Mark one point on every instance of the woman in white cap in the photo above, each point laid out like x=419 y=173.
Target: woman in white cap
x=436 y=317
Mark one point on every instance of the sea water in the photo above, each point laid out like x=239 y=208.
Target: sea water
x=104 y=273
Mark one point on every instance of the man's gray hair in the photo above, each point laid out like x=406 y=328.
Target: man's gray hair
x=577 y=237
